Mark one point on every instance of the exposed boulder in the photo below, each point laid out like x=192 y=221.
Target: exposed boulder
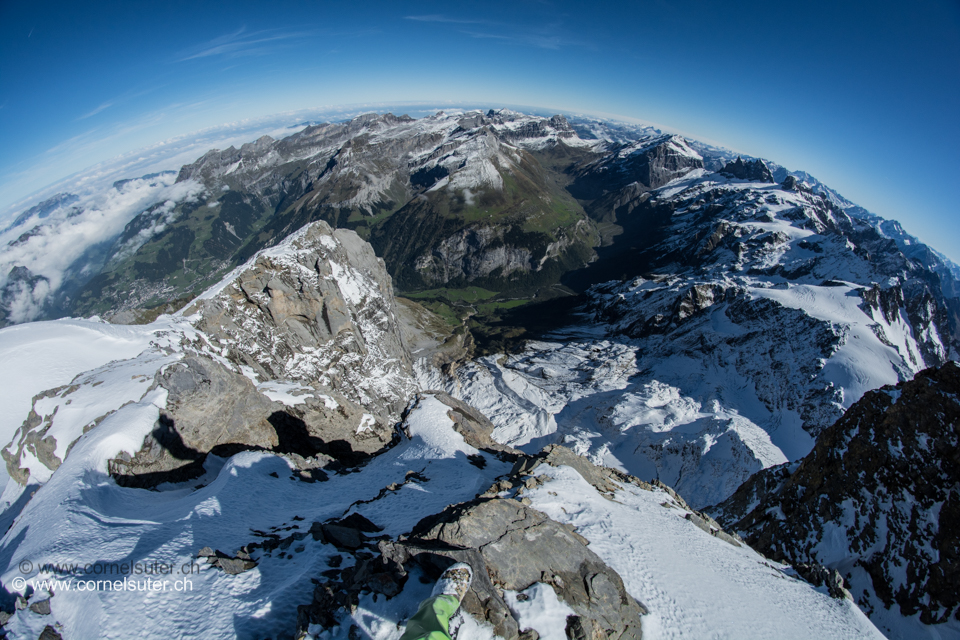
x=510 y=546
x=50 y=633
x=231 y=565
x=522 y=546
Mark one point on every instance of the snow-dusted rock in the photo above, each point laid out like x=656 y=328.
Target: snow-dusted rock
x=316 y=309
x=877 y=500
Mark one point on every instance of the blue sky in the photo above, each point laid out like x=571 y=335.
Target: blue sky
x=863 y=95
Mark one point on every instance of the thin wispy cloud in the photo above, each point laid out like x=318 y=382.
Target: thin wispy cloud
x=533 y=40
x=105 y=105
x=441 y=18
x=540 y=36
x=116 y=100
x=241 y=43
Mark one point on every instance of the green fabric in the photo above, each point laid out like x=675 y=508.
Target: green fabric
x=432 y=620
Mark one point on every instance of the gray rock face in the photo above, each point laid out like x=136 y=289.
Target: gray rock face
x=211 y=409
x=521 y=546
x=472 y=253
x=318 y=309
x=431 y=339
x=648 y=163
x=755 y=170
x=484 y=252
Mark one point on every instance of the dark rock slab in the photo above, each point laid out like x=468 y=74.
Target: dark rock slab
x=41 y=606
x=49 y=633
x=755 y=170
x=343 y=537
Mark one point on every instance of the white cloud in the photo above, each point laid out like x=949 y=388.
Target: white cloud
x=49 y=246
x=239 y=43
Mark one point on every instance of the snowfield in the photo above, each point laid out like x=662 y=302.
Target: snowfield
x=45 y=355
x=695 y=585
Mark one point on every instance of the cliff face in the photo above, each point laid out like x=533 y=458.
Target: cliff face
x=316 y=309
x=877 y=499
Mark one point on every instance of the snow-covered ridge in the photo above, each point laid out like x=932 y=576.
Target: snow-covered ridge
x=872 y=501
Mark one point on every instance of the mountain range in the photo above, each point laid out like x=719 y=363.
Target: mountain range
x=326 y=363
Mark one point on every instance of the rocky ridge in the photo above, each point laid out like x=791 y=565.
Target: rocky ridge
x=876 y=500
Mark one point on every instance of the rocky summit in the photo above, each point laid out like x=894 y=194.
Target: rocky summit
x=645 y=387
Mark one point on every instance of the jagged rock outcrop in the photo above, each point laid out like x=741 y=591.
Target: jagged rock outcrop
x=877 y=499
x=313 y=322
x=806 y=306
x=521 y=546
x=754 y=170
x=209 y=409
x=317 y=309
x=649 y=163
